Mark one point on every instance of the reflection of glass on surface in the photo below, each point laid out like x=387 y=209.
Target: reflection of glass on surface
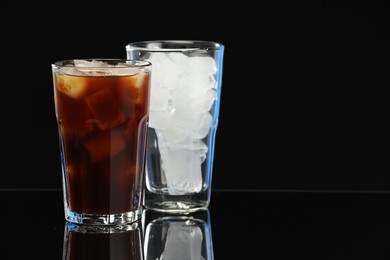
x=178 y=236
x=117 y=242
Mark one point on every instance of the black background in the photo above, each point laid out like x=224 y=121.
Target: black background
x=305 y=86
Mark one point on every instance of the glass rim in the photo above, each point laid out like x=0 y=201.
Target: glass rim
x=186 y=45
x=134 y=63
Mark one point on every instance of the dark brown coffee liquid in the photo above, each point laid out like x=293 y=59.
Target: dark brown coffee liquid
x=103 y=127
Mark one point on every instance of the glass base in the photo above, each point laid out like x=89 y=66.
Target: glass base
x=101 y=229
x=103 y=219
x=176 y=206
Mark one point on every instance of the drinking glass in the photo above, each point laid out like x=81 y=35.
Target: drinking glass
x=184 y=110
x=102 y=111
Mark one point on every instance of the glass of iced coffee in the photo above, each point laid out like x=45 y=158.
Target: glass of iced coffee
x=102 y=111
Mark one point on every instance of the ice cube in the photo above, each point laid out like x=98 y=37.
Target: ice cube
x=165 y=143
x=72 y=86
x=75 y=118
x=164 y=70
x=105 y=144
x=205 y=102
x=172 y=135
x=202 y=124
x=90 y=64
x=183 y=242
x=195 y=85
x=183 y=114
x=191 y=118
x=159 y=99
x=159 y=119
x=182 y=168
x=130 y=91
x=196 y=75
x=105 y=109
x=203 y=65
x=178 y=57
x=93 y=67
x=188 y=143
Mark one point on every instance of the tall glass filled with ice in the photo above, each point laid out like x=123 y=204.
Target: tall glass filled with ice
x=184 y=109
x=102 y=111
